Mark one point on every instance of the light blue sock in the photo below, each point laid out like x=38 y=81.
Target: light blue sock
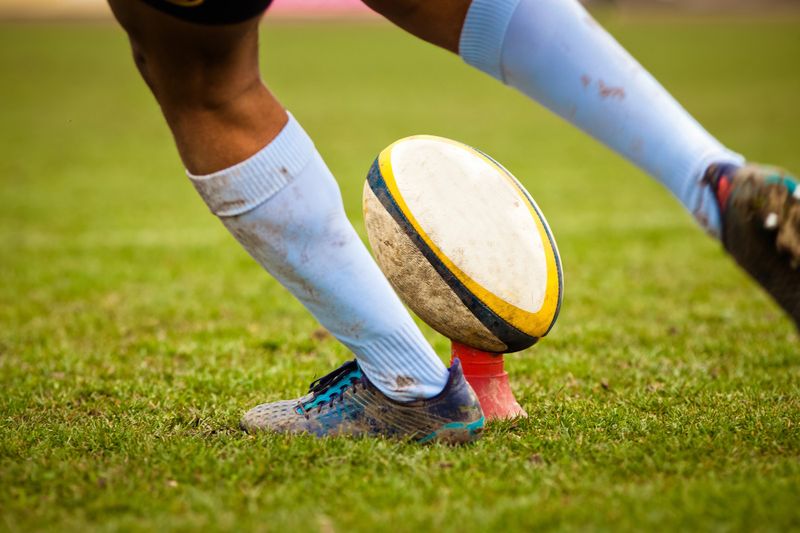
x=554 y=52
x=284 y=206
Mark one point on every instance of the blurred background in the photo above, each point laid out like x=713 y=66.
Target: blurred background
x=134 y=330
x=97 y=9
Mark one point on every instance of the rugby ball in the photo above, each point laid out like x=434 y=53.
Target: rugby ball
x=463 y=243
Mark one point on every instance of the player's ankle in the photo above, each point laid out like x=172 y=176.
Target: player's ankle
x=401 y=364
x=719 y=178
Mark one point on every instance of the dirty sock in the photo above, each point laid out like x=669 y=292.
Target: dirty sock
x=554 y=52
x=284 y=207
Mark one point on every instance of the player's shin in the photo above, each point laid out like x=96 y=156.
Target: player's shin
x=554 y=52
x=284 y=206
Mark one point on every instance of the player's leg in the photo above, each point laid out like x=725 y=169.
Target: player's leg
x=554 y=52
x=259 y=172
x=207 y=83
x=437 y=21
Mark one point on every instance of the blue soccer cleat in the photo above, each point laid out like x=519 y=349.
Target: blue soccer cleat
x=345 y=403
x=760 y=209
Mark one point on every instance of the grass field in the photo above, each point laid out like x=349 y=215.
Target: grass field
x=134 y=331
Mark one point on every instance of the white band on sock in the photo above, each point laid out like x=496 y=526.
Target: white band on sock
x=479 y=45
x=246 y=185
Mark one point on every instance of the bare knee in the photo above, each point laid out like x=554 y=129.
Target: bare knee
x=140 y=60
x=207 y=83
x=197 y=79
x=395 y=9
x=189 y=65
x=436 y=21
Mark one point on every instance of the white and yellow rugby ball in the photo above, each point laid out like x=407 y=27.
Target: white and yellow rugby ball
x=463 y=243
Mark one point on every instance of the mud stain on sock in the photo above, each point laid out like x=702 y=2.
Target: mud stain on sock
x=404 y=382
x=607 y=92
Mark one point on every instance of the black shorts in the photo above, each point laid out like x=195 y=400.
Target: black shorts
x=211 y=11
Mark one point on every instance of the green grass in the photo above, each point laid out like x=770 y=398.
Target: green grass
x=134 y=331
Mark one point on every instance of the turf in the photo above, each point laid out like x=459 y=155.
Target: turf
x=134 y=331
